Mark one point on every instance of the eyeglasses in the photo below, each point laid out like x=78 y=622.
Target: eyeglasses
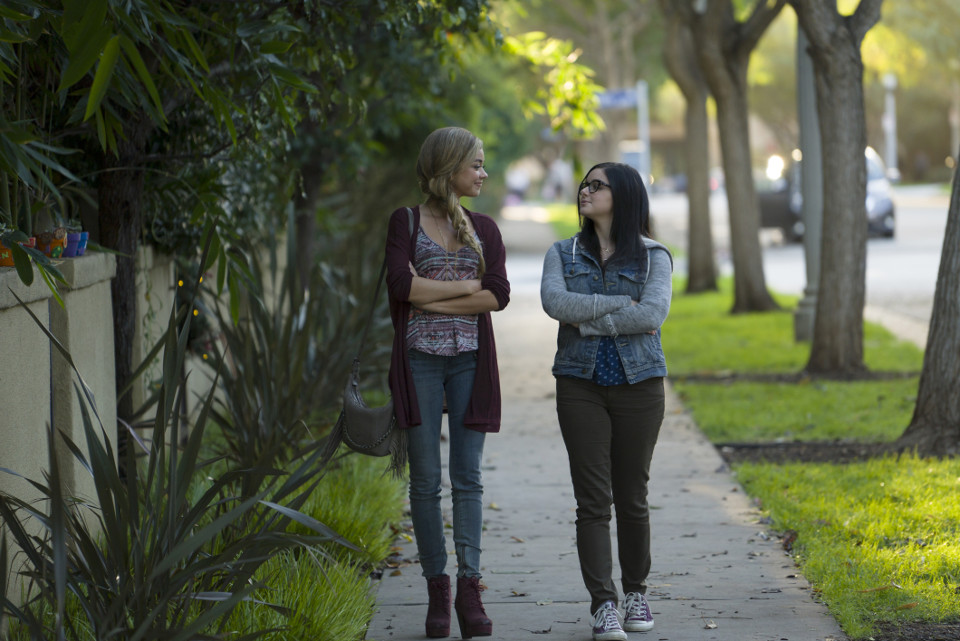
x=593 y=186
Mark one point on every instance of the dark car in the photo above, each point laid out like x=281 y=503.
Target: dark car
x=781 y=204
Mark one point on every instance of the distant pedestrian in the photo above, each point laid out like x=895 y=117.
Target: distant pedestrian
x=444 y=280
x=610 y=288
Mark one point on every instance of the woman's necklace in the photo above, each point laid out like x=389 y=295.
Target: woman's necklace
x=443 y=239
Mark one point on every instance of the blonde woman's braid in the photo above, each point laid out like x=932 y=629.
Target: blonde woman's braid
x=459 y=222
x=450 y=206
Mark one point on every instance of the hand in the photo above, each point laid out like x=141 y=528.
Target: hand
x=412 y=269
x=473 y=286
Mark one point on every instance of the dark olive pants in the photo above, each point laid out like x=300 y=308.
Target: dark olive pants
x=610 y=433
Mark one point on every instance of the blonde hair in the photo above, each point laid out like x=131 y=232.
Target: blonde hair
x=444 y=153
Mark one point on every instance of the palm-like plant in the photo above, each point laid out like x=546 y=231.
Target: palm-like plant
x=285 y=361
x=151 y=556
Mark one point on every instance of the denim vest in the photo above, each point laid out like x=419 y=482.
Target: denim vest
x=641 y=353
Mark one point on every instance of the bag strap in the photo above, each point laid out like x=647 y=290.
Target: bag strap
x=376 y=294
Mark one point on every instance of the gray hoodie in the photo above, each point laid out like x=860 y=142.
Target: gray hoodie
x=590 y=302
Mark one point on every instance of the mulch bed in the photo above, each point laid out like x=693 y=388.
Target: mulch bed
x=918 y=632
x=804 y=452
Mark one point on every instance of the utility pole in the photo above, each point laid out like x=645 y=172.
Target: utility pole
x=890 y=127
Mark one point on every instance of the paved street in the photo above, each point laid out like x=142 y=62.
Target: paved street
x=901 y=272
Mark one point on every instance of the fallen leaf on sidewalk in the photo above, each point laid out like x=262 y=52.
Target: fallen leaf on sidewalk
x=396 y=573
x=515 y=593
x=547 y=631
x=710 y=625
x=517 y=539
x=789 y=538
x=494 y=506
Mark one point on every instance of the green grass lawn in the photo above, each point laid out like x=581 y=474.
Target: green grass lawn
x=707 y=347
x=878 y=540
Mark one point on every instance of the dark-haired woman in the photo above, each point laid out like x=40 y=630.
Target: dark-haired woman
x=609 y=286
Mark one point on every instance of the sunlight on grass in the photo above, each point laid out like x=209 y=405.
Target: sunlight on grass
x=701 y=336
x=810 y=410
x=879 y=540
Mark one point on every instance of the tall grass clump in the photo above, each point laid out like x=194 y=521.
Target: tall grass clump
x=361 y=503
x=328 y=587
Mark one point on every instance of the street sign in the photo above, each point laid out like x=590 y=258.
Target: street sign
x=635 y=98
x=618 y=99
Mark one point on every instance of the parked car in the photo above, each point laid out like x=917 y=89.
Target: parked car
x=781 y=203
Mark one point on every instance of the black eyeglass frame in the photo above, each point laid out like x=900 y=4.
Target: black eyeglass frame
x=593 y=186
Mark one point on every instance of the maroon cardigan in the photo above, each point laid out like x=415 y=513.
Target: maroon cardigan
x=483 y=412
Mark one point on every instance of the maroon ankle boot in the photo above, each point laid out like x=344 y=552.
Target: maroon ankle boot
x=438 y=610
x=471 y=616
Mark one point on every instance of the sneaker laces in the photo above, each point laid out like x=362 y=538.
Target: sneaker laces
x=636 y=604
x=608 y=615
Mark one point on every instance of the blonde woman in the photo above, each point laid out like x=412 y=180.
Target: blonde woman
x=444 y=279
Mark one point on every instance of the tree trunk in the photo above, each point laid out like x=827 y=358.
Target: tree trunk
x=838 y=327
x=723 y=51
x=750 y=291
x=680 y=58
x=306 y=201
x=935 y=427
x=702 y=267
x=119 y=190
x=837 y=347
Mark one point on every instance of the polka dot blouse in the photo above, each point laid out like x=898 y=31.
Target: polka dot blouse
x=608 y=369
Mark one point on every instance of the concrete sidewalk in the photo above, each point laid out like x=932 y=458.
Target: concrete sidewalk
x=717 y=573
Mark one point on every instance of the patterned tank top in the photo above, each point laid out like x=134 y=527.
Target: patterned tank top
x=442 y=334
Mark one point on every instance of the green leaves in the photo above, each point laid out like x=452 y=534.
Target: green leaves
x=85 y=57
x=108 y=60
x=567 y=93
x=135 y=60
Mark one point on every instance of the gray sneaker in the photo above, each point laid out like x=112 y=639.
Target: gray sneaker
x=636 y=613
x=606 y=624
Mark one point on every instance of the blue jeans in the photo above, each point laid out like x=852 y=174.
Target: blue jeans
x=434 y=376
